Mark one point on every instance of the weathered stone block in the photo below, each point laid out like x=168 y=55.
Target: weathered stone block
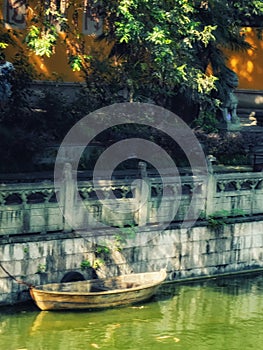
x=18 y=252
x=13 y=267
x=256 y=253
x=185 y=235
x=35 y=250
x=245 y=256
x=257 y=241
x=199 y=234
x=247 y=242
x=220 y=245
x=5 y=253
x=5 y=285
x=235 y=256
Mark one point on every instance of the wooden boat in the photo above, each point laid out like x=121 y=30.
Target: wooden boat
x=98 y=293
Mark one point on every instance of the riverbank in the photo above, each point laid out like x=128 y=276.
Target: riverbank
x=197 y=253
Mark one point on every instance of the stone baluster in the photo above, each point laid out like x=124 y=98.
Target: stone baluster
x=211 y=187
x=25 y=211
x=142 y=195
x=67 y=194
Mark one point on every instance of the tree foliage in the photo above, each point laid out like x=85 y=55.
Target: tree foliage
x=161 y=49
x=166 y=47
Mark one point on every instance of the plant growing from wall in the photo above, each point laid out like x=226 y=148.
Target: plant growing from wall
x=102 y=250
x=221 y=218
x=101 y=254
x=41 y=268
x=215 y=222
x=125 y=232
x=26 y=251
x=85 y=265
x=98 y=263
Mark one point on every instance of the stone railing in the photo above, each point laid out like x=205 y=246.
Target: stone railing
x=237 y=192
x=27 y=208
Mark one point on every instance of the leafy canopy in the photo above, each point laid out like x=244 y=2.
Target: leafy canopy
x=160 y=48
x=169 y=45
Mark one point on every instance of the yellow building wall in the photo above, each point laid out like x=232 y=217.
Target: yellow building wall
x=55 y=67
x=249 y=64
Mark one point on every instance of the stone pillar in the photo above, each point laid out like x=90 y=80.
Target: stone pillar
x=142 y=195
x=211 y=187
x=67 y=193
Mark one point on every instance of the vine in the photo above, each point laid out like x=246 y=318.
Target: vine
x=221 y=218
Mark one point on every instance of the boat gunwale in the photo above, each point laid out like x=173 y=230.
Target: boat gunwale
x=107 y=292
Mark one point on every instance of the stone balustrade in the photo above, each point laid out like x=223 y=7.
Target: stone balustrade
x=235 y=192
x=29 y=208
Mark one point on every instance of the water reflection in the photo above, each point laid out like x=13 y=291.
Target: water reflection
x=216 y=314
x=223 y=314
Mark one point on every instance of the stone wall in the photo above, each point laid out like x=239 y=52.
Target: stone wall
x=196 y=252
x=38 y=89
x=250 y=103
x=247 y=99
x=38 y=245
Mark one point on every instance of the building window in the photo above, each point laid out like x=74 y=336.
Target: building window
x=15 y=14
x=92 y=20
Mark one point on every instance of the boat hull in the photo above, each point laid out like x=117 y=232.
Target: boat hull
x=130 y=289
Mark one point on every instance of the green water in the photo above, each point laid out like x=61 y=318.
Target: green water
x=224 y=314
